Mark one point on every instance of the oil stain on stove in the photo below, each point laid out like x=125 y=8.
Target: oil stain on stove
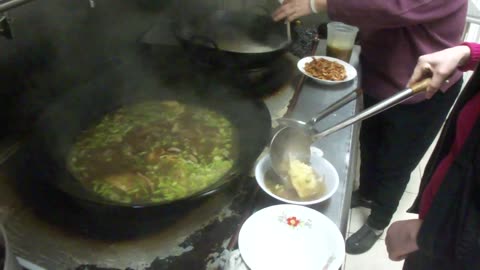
x=200 y=244
x=195 y=249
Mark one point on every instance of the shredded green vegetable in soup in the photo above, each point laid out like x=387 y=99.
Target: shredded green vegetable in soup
x=155 y=151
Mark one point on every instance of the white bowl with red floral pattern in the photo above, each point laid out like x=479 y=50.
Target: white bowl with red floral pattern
x=286 y=237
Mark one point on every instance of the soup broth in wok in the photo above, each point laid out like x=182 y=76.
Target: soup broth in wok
x=155 y=151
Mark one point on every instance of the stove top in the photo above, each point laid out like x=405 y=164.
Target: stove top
x=49 y=230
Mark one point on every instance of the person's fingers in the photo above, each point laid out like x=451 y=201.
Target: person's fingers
x=422 y=69
x=290 y=12
x=392 y=257
x=279 y=14
x=292 y=17
x=396 y=257
x=401 y=257
x=429 y=94
x=437 y=80
x=283 y=12
x=425 y=70
x=416 y=76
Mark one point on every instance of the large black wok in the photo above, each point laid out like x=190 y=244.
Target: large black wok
x=232 y=38
x=43 y=157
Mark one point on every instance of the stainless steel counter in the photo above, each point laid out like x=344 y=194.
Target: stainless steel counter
x=36 y=241
x=340 y=148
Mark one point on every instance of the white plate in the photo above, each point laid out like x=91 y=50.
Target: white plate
x=290 y=237
x=350 y=70
x=319 y=164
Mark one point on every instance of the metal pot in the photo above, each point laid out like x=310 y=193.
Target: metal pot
x=232 y=38
x=7 y=259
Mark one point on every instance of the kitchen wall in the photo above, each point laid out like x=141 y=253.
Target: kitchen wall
x=59 y=44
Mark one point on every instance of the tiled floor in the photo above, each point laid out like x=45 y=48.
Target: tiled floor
x=377 y=257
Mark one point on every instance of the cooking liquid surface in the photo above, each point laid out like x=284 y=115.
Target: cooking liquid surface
x=242 y=43
x=153 y=152
x=272 y=182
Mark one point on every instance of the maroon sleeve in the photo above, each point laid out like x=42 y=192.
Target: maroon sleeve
x=474 y=56
x=380 y=14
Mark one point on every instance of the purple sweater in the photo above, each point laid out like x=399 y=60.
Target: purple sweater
x=394 y=33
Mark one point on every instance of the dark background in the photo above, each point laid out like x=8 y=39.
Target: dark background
x=59 y=44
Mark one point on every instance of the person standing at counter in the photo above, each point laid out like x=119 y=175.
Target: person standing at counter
x=393 y=34
x=446 y=234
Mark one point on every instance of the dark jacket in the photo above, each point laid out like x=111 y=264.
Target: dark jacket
x=451 y=228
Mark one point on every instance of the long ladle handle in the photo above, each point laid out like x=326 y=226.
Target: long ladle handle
x=335 y=106
x=377 y=108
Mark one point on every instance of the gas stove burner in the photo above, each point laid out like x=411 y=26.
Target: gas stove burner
x=256 y=82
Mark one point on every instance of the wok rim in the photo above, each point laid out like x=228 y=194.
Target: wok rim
x=234 y=174
x=178 y=27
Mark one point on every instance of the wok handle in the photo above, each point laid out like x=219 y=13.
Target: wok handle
x=377 y=108
x=203 y=41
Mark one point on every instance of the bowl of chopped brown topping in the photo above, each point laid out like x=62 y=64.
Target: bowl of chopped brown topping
x=327 y=70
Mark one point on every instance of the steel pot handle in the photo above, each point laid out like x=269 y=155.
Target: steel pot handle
x=203 y=41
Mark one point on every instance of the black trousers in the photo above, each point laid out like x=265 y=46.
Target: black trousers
x=392 y=143
x=420 y=261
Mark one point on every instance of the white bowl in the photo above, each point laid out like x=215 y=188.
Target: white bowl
x=291 y=237
x=319 y=164
x=349 y=69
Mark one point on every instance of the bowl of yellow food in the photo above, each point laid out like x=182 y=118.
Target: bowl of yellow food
x=307 y=183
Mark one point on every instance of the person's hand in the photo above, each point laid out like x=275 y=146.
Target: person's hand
x=440 y=66
x=401 y=238
x=294 y=9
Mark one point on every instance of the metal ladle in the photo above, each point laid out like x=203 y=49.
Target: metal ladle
x=294 y=140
